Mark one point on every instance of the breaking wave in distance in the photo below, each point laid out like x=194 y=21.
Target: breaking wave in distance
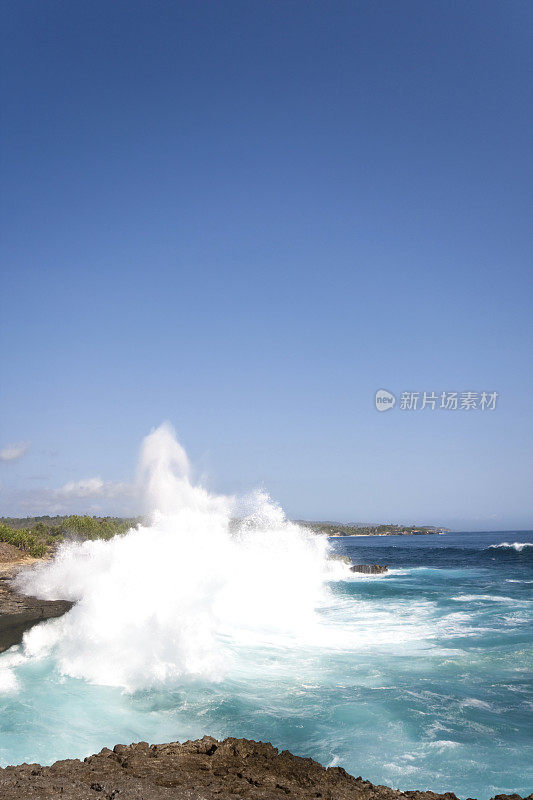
x=518 y=546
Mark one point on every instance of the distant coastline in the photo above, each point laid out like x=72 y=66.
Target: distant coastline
x=339 y=530
x=39 y=536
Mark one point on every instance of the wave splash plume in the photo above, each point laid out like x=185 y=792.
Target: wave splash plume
x=170 y=598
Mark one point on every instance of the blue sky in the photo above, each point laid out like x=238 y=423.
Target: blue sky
x=245 y=218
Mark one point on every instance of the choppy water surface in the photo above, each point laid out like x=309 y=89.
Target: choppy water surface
x=420 y=678
x=432 y=689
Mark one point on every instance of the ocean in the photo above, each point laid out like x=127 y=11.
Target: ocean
x=418 y=679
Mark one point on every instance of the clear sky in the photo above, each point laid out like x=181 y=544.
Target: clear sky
x=247 y=217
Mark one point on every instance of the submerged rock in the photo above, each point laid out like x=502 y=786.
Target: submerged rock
x=201 y=770
x=370 y=569
x=367 y=569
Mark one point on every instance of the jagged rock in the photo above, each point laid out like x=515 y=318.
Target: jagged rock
x=370 y=569
x=201 y=770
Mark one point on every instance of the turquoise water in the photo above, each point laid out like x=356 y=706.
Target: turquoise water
x=417 y=679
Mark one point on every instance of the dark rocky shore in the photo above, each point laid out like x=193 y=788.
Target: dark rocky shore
x=201 y=770
x=18 y=612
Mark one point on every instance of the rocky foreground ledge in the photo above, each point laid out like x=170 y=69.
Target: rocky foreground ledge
x=201 y=770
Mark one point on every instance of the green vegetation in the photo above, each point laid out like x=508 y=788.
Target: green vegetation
x=336 y=529
x=23 y=539
x=39 y=535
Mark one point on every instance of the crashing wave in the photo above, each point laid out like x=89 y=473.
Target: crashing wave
x=172 y=596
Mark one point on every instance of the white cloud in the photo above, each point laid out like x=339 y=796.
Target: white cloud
x=93 y=488
x=88 y=487
x=12 y=452
x=86 y=496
